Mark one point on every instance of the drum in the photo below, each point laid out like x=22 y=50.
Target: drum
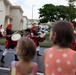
x=16 y=37
x=42 y=35
x=1 y=32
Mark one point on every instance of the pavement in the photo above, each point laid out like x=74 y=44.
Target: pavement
x=5 y=68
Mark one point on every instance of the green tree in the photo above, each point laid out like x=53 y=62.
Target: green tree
x=62 y=12
x=47 y=13
x=72 y=10
x=50 y=12
x=71 y=1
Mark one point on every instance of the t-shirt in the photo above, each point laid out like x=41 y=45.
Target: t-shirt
x=59 y=62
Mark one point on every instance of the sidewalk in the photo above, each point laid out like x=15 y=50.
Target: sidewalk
x=4 y=72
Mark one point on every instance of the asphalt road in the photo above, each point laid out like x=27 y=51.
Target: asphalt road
x=4 y=68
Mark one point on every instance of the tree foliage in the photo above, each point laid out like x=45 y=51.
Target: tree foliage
x=46 y=13
x=72 y=9
x=50 y=12
x=71 y=0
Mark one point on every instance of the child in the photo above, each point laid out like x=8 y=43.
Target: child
x=26 y=50
x=60 y=59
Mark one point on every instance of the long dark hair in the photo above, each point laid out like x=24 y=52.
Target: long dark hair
x=64 y=33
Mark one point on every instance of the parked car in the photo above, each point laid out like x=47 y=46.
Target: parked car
x=46 y=30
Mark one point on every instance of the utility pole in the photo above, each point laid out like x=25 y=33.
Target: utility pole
x=32 y=13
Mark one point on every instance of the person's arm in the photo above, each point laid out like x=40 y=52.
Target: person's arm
x=43 y=57
x=12 y=68
x=33 y=35
x=5 y=34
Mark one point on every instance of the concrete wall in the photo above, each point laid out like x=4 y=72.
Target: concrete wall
x=25 y=22
x=17 y=17
x=7 y=9
x=11 y=14
x=2 y=13
x=7 y=13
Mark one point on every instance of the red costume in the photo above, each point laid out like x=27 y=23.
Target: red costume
x=34 y=35
x=9 y=43
x=73 y=46
x=38 y=38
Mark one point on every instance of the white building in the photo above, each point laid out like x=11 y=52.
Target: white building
x=32 y=22
x=16 y=13
x=25 y=22
x=35 y=22
x=11 y=14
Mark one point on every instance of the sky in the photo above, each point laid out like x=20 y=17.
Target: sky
x=26 y=6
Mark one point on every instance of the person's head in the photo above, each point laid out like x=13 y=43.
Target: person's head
x=26 y=49
x=27 y=30
x=33 y=28
x=38 y=28
x=9 y=26
x=1 y=26
x=62 y=34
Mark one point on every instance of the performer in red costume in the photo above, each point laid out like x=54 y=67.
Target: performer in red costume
x=73 y=46
x=9 y=43
x=36 y=38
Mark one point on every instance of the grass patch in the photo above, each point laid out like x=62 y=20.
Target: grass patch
x=46 y=43
x=47 y=36
x=2 y=41
x=43 y=44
